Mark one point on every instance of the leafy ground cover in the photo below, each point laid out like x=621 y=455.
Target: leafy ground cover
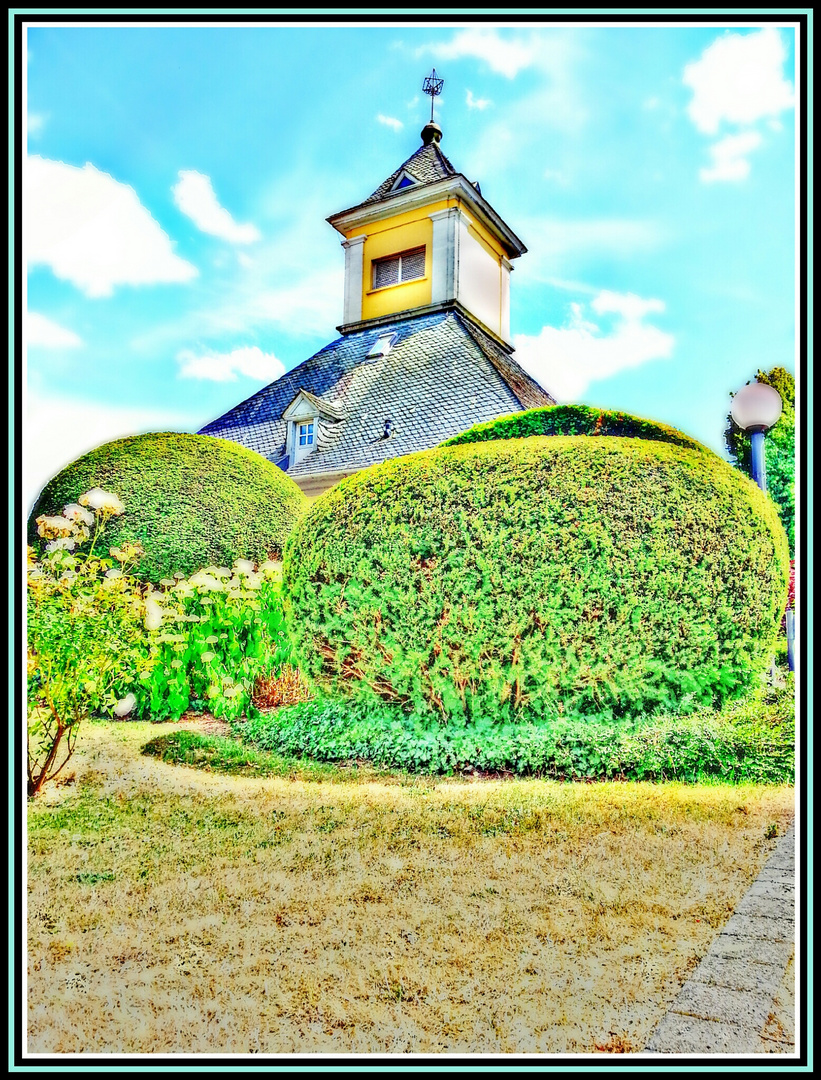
x=181 y=910
x=226 y=754
x=748 y=741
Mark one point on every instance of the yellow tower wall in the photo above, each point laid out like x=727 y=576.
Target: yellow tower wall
x=480 y=284
x=391 y=236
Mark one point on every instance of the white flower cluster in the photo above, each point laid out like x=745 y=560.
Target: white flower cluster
x=125 y=705
x=153 y=612
x=65 y=531
x=98 y=499
x=75 y=512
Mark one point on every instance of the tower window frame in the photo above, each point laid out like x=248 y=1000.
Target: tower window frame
x=305 y=433
x=399 y=269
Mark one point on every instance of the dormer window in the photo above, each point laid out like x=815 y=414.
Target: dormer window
x=404 y=180
x=407 y=266
x=304 y=437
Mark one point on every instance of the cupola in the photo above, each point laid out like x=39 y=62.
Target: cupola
x=426 y=240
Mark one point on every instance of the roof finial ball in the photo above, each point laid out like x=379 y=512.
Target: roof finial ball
x=432 y=133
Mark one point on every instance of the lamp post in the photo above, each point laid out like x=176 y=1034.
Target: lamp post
x=755 y=408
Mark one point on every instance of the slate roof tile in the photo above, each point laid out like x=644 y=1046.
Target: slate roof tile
x=442 y=376
x=426 y=165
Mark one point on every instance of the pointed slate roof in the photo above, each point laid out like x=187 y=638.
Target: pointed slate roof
x=426 y=165
x=442 y=375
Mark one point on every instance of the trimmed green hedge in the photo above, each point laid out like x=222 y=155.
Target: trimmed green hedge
x=536 y=578
x=573 y=420
x=190 y=500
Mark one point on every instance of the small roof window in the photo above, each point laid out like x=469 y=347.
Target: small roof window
x=382 y=346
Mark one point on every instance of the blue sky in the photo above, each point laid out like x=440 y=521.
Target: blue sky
x=178 y=180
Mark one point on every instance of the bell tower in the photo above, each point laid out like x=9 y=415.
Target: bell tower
x=427 y=240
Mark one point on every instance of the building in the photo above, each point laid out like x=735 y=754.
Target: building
x=424 y=350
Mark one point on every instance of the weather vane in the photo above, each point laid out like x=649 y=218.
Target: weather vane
x=432 y=86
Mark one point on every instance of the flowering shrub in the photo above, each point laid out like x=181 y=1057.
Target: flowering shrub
x=85 y=631
x=790 y=597
x=101 y=641
x=212 y=636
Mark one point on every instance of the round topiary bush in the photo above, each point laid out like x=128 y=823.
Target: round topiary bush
x=533 y=578
x=573 y=420
x=190 y=500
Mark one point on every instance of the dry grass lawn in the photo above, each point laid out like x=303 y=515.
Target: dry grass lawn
x=172 y=910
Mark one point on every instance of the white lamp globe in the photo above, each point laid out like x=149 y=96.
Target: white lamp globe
x=756 y=405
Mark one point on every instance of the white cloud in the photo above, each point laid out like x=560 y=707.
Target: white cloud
x=303 y=299
x=224 y=367
x=49 y=334
x=59 y=430
x=476 y=103
x=390 y=121
x=629 y=306
x=730 y=157
x=566 y=360
x=194 y=195
x=506 y=56
x=34 y=123
x=92 y=230
x=739 y=79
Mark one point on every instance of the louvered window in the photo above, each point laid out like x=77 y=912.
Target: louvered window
x=399 y=268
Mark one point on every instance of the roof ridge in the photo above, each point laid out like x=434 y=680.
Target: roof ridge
x=445 y=158
x=528 y=391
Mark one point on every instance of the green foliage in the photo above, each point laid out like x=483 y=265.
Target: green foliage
x=192 y=500
x=215 y=753
x=779 y=449
x=573 y=420
x=752 y=741
x=85 y=640
x=530 y=579
x=102 y=642
x=212 y=636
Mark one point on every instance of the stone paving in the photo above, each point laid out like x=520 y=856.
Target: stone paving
x=741 y=997
x=778 y=1036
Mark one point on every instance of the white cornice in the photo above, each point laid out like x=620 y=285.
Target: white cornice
x=406 y=199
